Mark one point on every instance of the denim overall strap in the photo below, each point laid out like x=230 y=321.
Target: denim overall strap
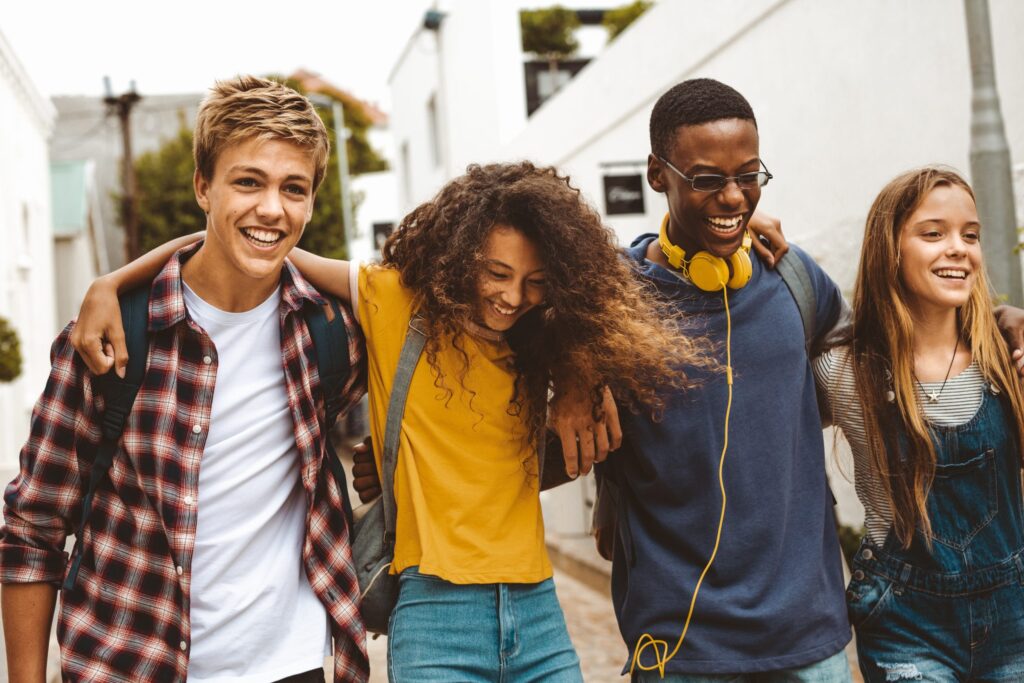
x=975 y=509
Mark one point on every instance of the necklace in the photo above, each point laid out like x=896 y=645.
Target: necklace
x=933 y=396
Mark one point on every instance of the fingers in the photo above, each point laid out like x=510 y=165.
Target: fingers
x=781 y=248
x=587 y=451
x=1018 y=360
x=367 y=489
x=115 y=340
x=570 y=452
x=601 y=443
x=365 y=478
x=611 y=419
x=763 y=252
x=96 y=356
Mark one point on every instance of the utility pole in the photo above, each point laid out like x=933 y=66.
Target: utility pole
x=341 y=135
x=990 y=160
x=122 y=105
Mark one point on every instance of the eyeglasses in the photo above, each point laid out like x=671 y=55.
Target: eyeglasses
x=712 y=182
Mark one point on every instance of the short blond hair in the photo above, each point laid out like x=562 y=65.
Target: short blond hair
x=247 y=107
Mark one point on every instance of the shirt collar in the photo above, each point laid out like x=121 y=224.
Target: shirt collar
x=167 y=298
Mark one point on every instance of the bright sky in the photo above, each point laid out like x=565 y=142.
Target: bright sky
x=180 y=46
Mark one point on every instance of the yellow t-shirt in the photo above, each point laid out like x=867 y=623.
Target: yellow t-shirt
x=465 y=485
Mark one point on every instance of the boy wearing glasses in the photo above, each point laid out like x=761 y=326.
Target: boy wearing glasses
x=771 y=603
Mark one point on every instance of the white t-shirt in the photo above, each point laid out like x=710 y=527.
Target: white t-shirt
x=254 y=615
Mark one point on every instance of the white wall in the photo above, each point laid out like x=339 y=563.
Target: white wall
x=846 y=94
x=26 y=259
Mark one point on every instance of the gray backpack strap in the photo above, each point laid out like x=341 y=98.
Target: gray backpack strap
x=410 y=356
x=798 y=280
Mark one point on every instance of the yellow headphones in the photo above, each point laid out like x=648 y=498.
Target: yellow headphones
x=705 y=270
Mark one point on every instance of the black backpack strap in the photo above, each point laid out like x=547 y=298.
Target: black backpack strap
x=330 y=342
x=798 y=280
x=118 y=398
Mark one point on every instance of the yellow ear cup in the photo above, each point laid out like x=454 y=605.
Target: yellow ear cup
x=708 y=272
x=705 y=270
x=741 y=266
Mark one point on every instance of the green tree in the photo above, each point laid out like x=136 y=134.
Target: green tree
x=10 y=352
x=549 y=33
x=616 y=20
x=167 y=205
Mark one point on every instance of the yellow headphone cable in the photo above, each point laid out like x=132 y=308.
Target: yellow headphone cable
x=660 y=647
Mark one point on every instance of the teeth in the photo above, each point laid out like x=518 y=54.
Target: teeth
x=503 y=310
x=951 y=273
x=724 y=224
x=264 y=236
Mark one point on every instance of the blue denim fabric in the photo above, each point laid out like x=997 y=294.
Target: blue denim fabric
x=835 y=669
x=495 y=633
x=954 y=612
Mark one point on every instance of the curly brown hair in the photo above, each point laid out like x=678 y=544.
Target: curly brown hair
x=599 y=324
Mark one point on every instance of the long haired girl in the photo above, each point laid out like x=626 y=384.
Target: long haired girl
x=932 y=407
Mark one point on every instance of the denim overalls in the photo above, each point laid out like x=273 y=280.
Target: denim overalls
x=956 y=612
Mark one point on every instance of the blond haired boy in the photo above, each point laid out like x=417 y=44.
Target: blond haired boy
x=217 y=548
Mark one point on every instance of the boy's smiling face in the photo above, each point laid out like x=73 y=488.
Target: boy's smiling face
x=257 y=204
x=709 y=221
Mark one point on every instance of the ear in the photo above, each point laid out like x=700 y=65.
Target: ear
x=309 y=210
x=202 y=189
x=655 y=174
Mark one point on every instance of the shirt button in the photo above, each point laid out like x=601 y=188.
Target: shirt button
x=189 y=500
x=183 y=645
x=179 y=570
x=196 y=429
x=858 y=575
x=207 y=360
x=867 y=554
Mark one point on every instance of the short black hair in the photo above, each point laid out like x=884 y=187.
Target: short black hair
x=691 y=103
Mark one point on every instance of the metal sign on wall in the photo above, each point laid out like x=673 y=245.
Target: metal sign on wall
x=623 y=193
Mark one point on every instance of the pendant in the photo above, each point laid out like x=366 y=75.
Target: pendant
x=933 y=396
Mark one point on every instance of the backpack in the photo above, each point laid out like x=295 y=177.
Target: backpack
x=330 y=342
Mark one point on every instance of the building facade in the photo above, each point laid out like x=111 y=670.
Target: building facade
x=27 y=297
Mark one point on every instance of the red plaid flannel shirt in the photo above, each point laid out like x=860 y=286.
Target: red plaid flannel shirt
x=128 y=616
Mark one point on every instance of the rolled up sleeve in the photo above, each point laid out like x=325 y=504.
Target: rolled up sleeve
x=42 y=503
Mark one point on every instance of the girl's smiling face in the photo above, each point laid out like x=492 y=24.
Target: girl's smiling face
x=940 y=251
x=511 y=281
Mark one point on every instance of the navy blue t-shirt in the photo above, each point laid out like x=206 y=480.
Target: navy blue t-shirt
x=774 y=596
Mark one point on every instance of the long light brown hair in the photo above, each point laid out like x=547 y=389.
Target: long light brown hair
x=599 y=324
x=883 y=351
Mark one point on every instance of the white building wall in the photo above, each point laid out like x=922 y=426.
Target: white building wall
x=847 y=95
x=473 y=66
x=27 y=297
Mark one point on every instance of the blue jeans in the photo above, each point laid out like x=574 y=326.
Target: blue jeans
x=835 y=669
x=953 y=611
x=493 y=633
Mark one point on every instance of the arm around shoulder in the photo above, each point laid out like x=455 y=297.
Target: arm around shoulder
x=330 y=276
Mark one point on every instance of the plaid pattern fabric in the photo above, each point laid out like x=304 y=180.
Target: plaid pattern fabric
x=128 y=616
